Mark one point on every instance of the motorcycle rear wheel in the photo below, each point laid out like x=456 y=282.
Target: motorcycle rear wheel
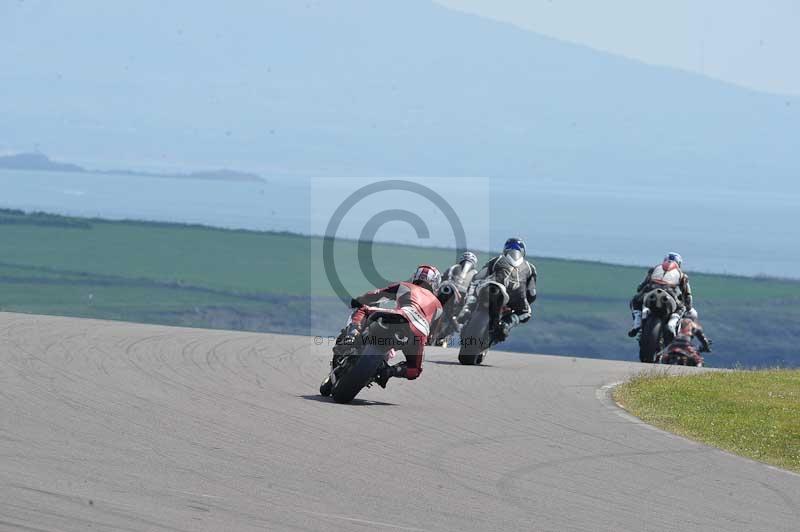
x=650 y=342
x=474 y=343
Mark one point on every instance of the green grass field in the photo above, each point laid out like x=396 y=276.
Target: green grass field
x=751 y=413
x=193 y=275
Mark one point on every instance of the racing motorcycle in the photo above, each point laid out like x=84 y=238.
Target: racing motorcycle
x=659 y=306
x=453 y=295
x=680 y=355
x=480 y=330
x=359 y=366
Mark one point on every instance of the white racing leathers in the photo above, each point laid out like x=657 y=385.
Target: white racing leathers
x=665 y=281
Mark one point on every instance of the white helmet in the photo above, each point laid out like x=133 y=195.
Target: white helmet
x=470 y=257
x=674 y=257
x=427 y=276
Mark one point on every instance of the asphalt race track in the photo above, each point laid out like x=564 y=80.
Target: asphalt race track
x=117 y=426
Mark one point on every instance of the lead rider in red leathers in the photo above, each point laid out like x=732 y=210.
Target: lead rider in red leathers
x=416 y=301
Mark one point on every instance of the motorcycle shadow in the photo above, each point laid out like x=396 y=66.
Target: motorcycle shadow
x=354 y=402
x=455 y=363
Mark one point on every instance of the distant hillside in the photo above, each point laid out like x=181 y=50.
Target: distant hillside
x=198 y=276
x=39 y=161
x=371 y=88
x=211 y=175
x=36 y=161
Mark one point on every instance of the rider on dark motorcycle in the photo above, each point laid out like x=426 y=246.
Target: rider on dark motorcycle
x=452 y=294
x=415 y=301
x=669 y=276
x=683 y=342
x=461 y=273
x=519 y=277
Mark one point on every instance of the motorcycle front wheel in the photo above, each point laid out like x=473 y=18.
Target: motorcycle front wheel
x=362 y=370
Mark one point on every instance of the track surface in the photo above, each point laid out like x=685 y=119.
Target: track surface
x=116 y=426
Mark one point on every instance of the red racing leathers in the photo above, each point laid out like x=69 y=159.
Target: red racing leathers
x=418 y=305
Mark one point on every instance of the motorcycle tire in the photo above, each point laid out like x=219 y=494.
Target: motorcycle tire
x=361 y=373
x=326 y=387
x=650 y=341
x=474 y=340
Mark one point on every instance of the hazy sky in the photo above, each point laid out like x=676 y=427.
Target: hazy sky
x=754 y=43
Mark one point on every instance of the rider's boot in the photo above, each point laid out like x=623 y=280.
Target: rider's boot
x=387 y=372
x=637 y=323
x=507 y=322
x=462 y=318
x=672 y=324
x=503 y=330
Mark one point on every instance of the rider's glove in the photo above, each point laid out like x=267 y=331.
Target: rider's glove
x=354 y=303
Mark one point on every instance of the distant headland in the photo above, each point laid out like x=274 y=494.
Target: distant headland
x=41 y=162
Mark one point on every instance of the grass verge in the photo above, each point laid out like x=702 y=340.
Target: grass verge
x=751 y=413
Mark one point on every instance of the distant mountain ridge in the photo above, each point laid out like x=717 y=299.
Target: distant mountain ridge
x=39 y=161
x=36 y=161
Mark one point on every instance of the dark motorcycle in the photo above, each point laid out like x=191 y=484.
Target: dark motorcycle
x=453 y=295
x=680 y=354
x=358 y=367
x=658 y=305
x=480 y=330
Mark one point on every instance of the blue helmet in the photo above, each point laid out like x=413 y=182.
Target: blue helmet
x=514 y=251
